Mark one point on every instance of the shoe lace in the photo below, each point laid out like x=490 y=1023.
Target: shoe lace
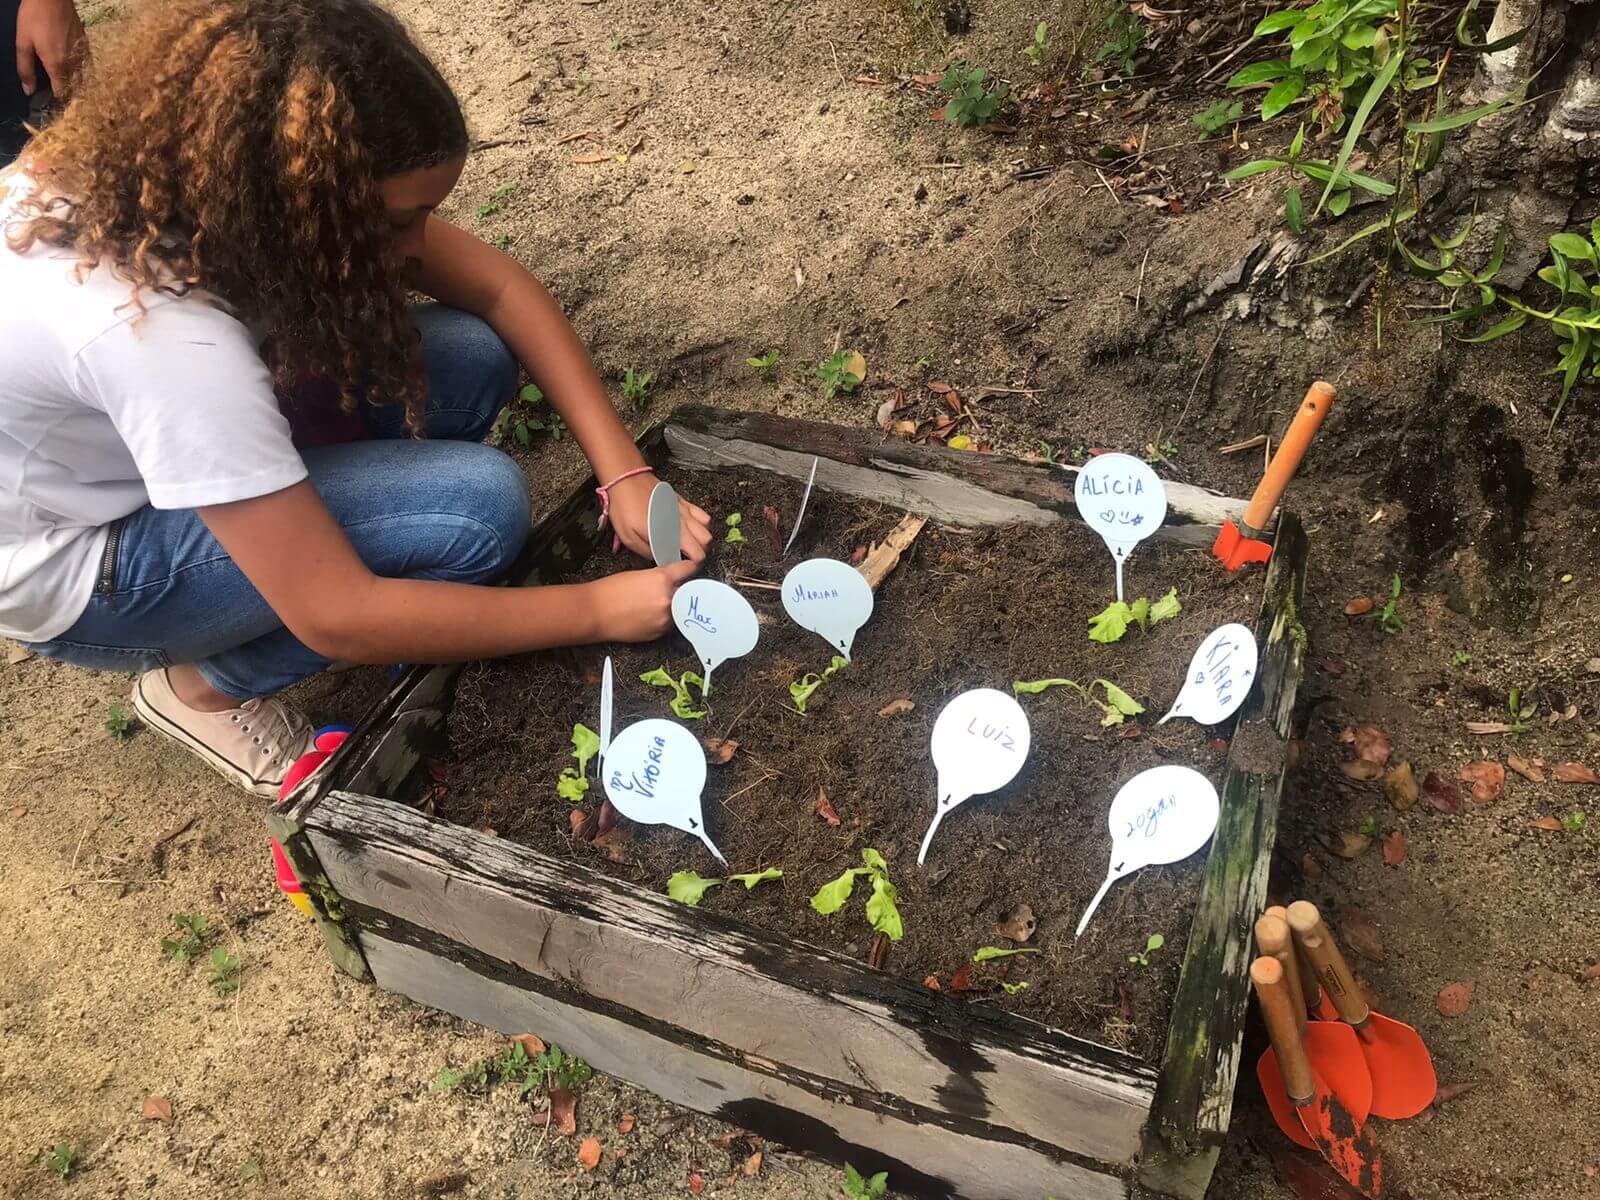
x=272 y=726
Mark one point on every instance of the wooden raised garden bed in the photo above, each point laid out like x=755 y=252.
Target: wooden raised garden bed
x=805 y=1046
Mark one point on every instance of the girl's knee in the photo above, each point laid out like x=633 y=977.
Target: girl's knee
x=472 y=373
x=492 y=494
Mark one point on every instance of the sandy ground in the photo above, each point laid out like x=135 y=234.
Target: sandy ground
x=756 y=196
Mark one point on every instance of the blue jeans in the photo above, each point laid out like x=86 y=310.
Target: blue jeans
x=441 y=508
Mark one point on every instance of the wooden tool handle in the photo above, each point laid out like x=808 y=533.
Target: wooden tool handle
x=1332 y=971
x=1273 y=996
x=1319 y=399
x=1305 y=973
x=1273 y=940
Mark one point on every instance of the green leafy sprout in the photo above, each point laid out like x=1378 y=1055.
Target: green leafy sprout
x=1574 y=821
x=552 y=1068
x=527 y=415
x=766 y=365
x=801 y=690
x=63 y=1160
x=1124 y=35
x=191 y=938
x=682 y=698
x=1152 y=943
x=838 y=373
x=858 y=1188
x=882 y=914
x=1460 y=658
x=734 y=534
x=690 y=887
x=1114 y=709
x=1036 y=50
x=974 y=98
x=988 y=953
x=1368 y=827
x=636 y=386
x=224 y=971
x=1109 y=625
x=573 y=784
x=1218 y=116
x=118 y=723
x=1388 y=616
x=1519 y=712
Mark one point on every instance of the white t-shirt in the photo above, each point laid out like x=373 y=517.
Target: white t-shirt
x=102 y=412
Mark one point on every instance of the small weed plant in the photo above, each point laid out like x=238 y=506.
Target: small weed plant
x=193 y=933
x=1151 y=944
x=1037 y=50
x=1519 y=711
x=975 y=98
x=1124 y=34
x=841 y=371
x=766 y=365
x=118 y=723
x=223 y=971
x=636 y=386
x=527 y=415
x=1574 y=821
x=1214 y=118
x=551 y=1068
x=857 y=1187
x=1388 y=617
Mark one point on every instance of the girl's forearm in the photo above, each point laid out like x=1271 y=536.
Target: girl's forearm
x=539 y=334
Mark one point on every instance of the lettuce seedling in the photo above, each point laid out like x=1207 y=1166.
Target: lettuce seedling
x=751 y=878
x=1109 y=625
x=1013 y=988
x=985 y=953
x=1116 y=706
x=882 y=912
x=735 y=534
x=688 y=887
x=573 y=784
x=682 y=698
x=801 y=690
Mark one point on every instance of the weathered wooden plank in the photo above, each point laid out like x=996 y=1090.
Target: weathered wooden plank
x=948 y=485
x=719 y=978
x=1201 y=1064
x=923 y=1154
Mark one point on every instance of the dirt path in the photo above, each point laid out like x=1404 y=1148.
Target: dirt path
x=776 y=202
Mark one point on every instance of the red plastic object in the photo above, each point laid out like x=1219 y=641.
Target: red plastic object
x=326 y=740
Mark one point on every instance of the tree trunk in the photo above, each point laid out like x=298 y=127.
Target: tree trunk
x=1538 y=164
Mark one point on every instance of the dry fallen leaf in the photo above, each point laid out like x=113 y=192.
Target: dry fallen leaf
x=1573 y=772
x=770 y=516
x=564 y=1111
x=1361 y=770
x=156 y=1108
x=886 y=412
x=1349 y=845
x=1487 y=727
x=1360 y=934
x=721 y=749
x=697 y=1183
x=1488 y=780
x=17 y=654
x=626 y=1122
x=1443 y=794
x=1455 y=998
x=932 y=984
x=1371 y=743
x=1394 y=848
x=1331 y=666
x=1359 y=607
x=1400 y=785
x=531 y=1044
x=1293 y=754
x=1551 y=823
x=1530 y=769
x=1311 y=868
x=1590 y=973
x=938 y=387
x=905 y=428
x=856 y=365
x=590 y=159
x=589 y=1153
x=961 y=981
x=19 y=812
x=752 y=1165
x=825 y=809
x=1019 y=923
x=901 y=705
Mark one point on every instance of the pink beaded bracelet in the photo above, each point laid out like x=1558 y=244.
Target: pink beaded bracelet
x=604 y=492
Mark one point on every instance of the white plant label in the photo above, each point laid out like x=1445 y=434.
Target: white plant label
x=718 y=621
x=665 y=525
x=607 y=698
x=980 y=742
x=1220 y=676
x=830 y=598
x=1123 y=500
x=1159 y=816
x=805 y=499
x=654 y=773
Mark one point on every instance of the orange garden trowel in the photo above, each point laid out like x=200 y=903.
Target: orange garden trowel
x=1243 y=543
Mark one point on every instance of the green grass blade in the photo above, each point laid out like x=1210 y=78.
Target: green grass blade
x=1364 y=232
x=1380 y=85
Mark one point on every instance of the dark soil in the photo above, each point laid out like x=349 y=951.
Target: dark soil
x=963 y=609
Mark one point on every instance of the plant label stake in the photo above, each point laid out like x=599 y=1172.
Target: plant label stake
x=980 y=742
x=654 y=774
x=1123 y=500
x=805 y=499
x=1221 y=674
x=607 y=695
x=665 y=525
x=830 y=598
x=718 y=621
x=1159 y=816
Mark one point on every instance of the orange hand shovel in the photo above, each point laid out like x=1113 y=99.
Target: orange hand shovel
x=1403 y=1079
x=1331 y=1046
x=1337 y=1135
x=1243 y=543
x=1305 y=990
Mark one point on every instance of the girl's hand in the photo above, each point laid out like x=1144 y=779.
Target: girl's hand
x=630 y=507
x=636 y=606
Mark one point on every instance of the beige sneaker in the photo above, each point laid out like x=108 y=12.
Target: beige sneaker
x=254 y=745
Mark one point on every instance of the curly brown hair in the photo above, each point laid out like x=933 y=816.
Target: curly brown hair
x=237 y=146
